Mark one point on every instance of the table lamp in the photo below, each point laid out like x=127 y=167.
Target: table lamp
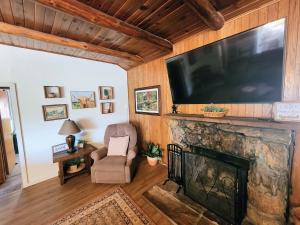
x=69 y=127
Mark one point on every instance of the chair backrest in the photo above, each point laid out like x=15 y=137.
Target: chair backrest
x=119 y=130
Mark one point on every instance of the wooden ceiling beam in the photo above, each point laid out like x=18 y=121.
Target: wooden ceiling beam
x=50 y=38
x=207 y=13
x=96 y=17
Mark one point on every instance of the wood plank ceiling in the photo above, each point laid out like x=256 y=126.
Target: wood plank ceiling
x=122 y=32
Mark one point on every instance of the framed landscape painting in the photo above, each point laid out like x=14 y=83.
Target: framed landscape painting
x=55 y=112
x=83 y=99
x=147 y=100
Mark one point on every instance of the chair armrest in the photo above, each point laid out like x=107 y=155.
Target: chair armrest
x=99 y=153
x=131 y=155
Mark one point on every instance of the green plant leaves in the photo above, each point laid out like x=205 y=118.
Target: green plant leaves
x=213 y=108
x=153 y=151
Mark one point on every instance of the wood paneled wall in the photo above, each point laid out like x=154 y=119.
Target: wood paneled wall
x=155 y=128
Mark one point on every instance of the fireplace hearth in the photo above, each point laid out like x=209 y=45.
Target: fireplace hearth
x=217 y=181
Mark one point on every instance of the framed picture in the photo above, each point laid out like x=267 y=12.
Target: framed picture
x=83 y=99
x=106 y=92
x=59 y=148
x=147 y=100
x=286 y=111
x=52 y=92
x=55 y=112
x=107 y=107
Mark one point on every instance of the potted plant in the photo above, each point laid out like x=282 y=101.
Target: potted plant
x=214 y=111
x=153 y=153
x=75 y=165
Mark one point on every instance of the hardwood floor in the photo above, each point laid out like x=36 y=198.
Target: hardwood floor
x=43 y=203
x=13 y=182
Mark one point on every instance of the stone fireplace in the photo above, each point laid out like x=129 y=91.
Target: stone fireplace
x=269 y=152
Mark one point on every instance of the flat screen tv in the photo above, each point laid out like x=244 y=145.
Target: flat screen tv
x=244 y=68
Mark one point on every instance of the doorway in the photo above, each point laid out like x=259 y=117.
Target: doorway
x=10 y=174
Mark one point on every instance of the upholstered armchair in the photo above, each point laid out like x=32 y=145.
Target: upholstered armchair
x=115 y=169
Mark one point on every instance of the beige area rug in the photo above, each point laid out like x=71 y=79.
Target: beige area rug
x=113 y=208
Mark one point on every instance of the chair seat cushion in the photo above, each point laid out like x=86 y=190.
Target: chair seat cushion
x=111 y=163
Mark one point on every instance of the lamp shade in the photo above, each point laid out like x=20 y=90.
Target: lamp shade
x=69 y=127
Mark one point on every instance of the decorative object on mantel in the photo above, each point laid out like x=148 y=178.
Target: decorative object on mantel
x=214 y=111
x=55 y=112
x=106 y=92
x=107 y=107
x=174 y=109
x=83 y=99
x=286 y=111
x=52 y=92
x=69 y=128
x=153 y=153
x=147 y=100
x=60 y=148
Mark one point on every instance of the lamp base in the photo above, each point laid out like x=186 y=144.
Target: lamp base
x=70 y=140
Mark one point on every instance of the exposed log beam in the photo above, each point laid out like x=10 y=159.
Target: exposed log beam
x=207 y=13
x=87 y=13
x=40 y=36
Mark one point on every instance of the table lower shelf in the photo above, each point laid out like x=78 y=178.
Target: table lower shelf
x=69 y=175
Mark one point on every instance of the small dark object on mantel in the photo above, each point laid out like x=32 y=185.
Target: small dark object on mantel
x=174 y=109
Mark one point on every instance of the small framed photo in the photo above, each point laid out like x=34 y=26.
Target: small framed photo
x=55 y=112
x=107 y=107
x=60 y=148
x=83 y=99
x=147 y=100
x=106 y=92
x=52 y=92
x=286 y=111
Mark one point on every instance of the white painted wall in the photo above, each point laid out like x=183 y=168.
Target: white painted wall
x=30 y=71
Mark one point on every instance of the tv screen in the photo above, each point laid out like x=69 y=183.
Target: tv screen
x=244 y=68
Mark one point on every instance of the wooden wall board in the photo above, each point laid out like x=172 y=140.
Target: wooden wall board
x=155 y=73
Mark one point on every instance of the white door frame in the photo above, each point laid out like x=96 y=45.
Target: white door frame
x=18 y=130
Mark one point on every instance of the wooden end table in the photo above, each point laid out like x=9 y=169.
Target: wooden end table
x=61 y=157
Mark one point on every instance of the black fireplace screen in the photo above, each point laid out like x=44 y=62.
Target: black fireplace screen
x=175 y=163
x=217 y=181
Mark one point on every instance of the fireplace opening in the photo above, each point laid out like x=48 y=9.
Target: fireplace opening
x=218 y=181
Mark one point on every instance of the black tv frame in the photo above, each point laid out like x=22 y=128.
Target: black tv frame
x=230 y=36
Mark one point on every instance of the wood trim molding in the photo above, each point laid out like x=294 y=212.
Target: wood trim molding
x=40 y=36
x=96 y=17
x=207 y=13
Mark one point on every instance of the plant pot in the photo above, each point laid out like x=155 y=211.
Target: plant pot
x=152 y=161
x=214 y=114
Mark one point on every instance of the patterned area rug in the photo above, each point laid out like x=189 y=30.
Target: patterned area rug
x=113 y=208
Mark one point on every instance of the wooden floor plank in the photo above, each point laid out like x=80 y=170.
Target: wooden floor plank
x=45 y=202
